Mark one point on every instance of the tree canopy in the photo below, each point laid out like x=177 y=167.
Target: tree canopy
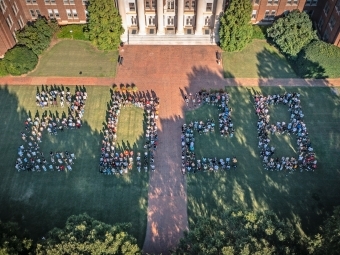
x=328 y=242
x=37 y=35
x=104 y=25
x=235 y=29
x=292 y=32
x=85 y=235
x=20 y=60
x=239 y=232
x=13 y=240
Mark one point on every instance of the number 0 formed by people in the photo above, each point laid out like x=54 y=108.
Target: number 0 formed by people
x=225 y=126
x=114 y=162
x=305 y=160
x=30 y=155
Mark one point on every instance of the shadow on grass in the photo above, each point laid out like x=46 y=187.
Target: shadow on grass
x=271 y=64
x=42 y=201
x=303 y=199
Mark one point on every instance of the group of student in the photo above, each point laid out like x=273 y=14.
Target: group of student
x=114 y=162
x=306 y=159
x=31 y=157
x=189 y=161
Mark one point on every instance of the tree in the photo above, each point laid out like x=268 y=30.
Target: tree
x=328 y=242
x=37 y=35
x=20 y=60
x=105 y=24
x=318 y=60
x=235 y=29
x=239 y=232
x=85 y=235
x=13 y=240
x=292 y=32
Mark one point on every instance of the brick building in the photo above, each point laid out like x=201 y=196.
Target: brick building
x=166 y=21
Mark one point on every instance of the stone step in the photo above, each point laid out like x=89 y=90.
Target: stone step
x=169 y=40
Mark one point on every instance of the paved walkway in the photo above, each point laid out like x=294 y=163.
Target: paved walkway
x=170 y=71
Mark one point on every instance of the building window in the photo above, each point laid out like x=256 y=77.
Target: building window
x=132 y=7
x=9 y=21
x=71 y=1
x=56 y=14
x=69 y=13
x=21 y=23
x=193 y=4
x=147 y=5
x=47 y=1
x=189 y=20
x=33 y=14
x=152 y=20
x=52 y=1
x=272 y=15
x=3 y=6
x=266 y=15
x=337 y=6
x=171 y=5
x=50 y=13
x=257 y=2
x=209 y=7
x=15 y=8
x=38 y=12
x=65 y=1
x=326 y=35
x=311 y=2
x=170 y=21
x=332 y=22
x=253 y=14
x=276 y=2
x=207 y=21
x=27 y=2
x=187 y=5
x=326 y=9
x=270 y=2
x=133 y=20
x=320 y=23
x=295 y=2
x=74 y=13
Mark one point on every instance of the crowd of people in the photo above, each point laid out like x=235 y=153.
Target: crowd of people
x=31 y=157
x=306 y=159
x=225 y=126
x=115 y=162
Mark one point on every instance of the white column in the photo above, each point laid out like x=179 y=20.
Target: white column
x=180 y=12
x=122 y=12
x=160 y=18
x=199 y=17
x=218 y=14
x=141 y=17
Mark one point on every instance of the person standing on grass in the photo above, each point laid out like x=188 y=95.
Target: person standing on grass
x=234 y=161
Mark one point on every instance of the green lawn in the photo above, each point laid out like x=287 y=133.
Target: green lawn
x=41 y=201
x=70 y=57
x=302 y=198
x=257 y=60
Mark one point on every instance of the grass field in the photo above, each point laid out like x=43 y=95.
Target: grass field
x=257 y=60
x=41 y=201
x=302 y=198
x=70 y=57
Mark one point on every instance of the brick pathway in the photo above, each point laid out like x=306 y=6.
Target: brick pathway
x=170 y=71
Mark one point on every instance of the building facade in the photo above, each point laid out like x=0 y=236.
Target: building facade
x=166 y=21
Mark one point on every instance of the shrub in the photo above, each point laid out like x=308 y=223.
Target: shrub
x=20 y=60
x=3 y=70
x=37 y=35
x=259 y=32
x=77 y=32
x=319 y=60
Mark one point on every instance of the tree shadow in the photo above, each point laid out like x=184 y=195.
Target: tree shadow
x=292 y=197
x=40 y=201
